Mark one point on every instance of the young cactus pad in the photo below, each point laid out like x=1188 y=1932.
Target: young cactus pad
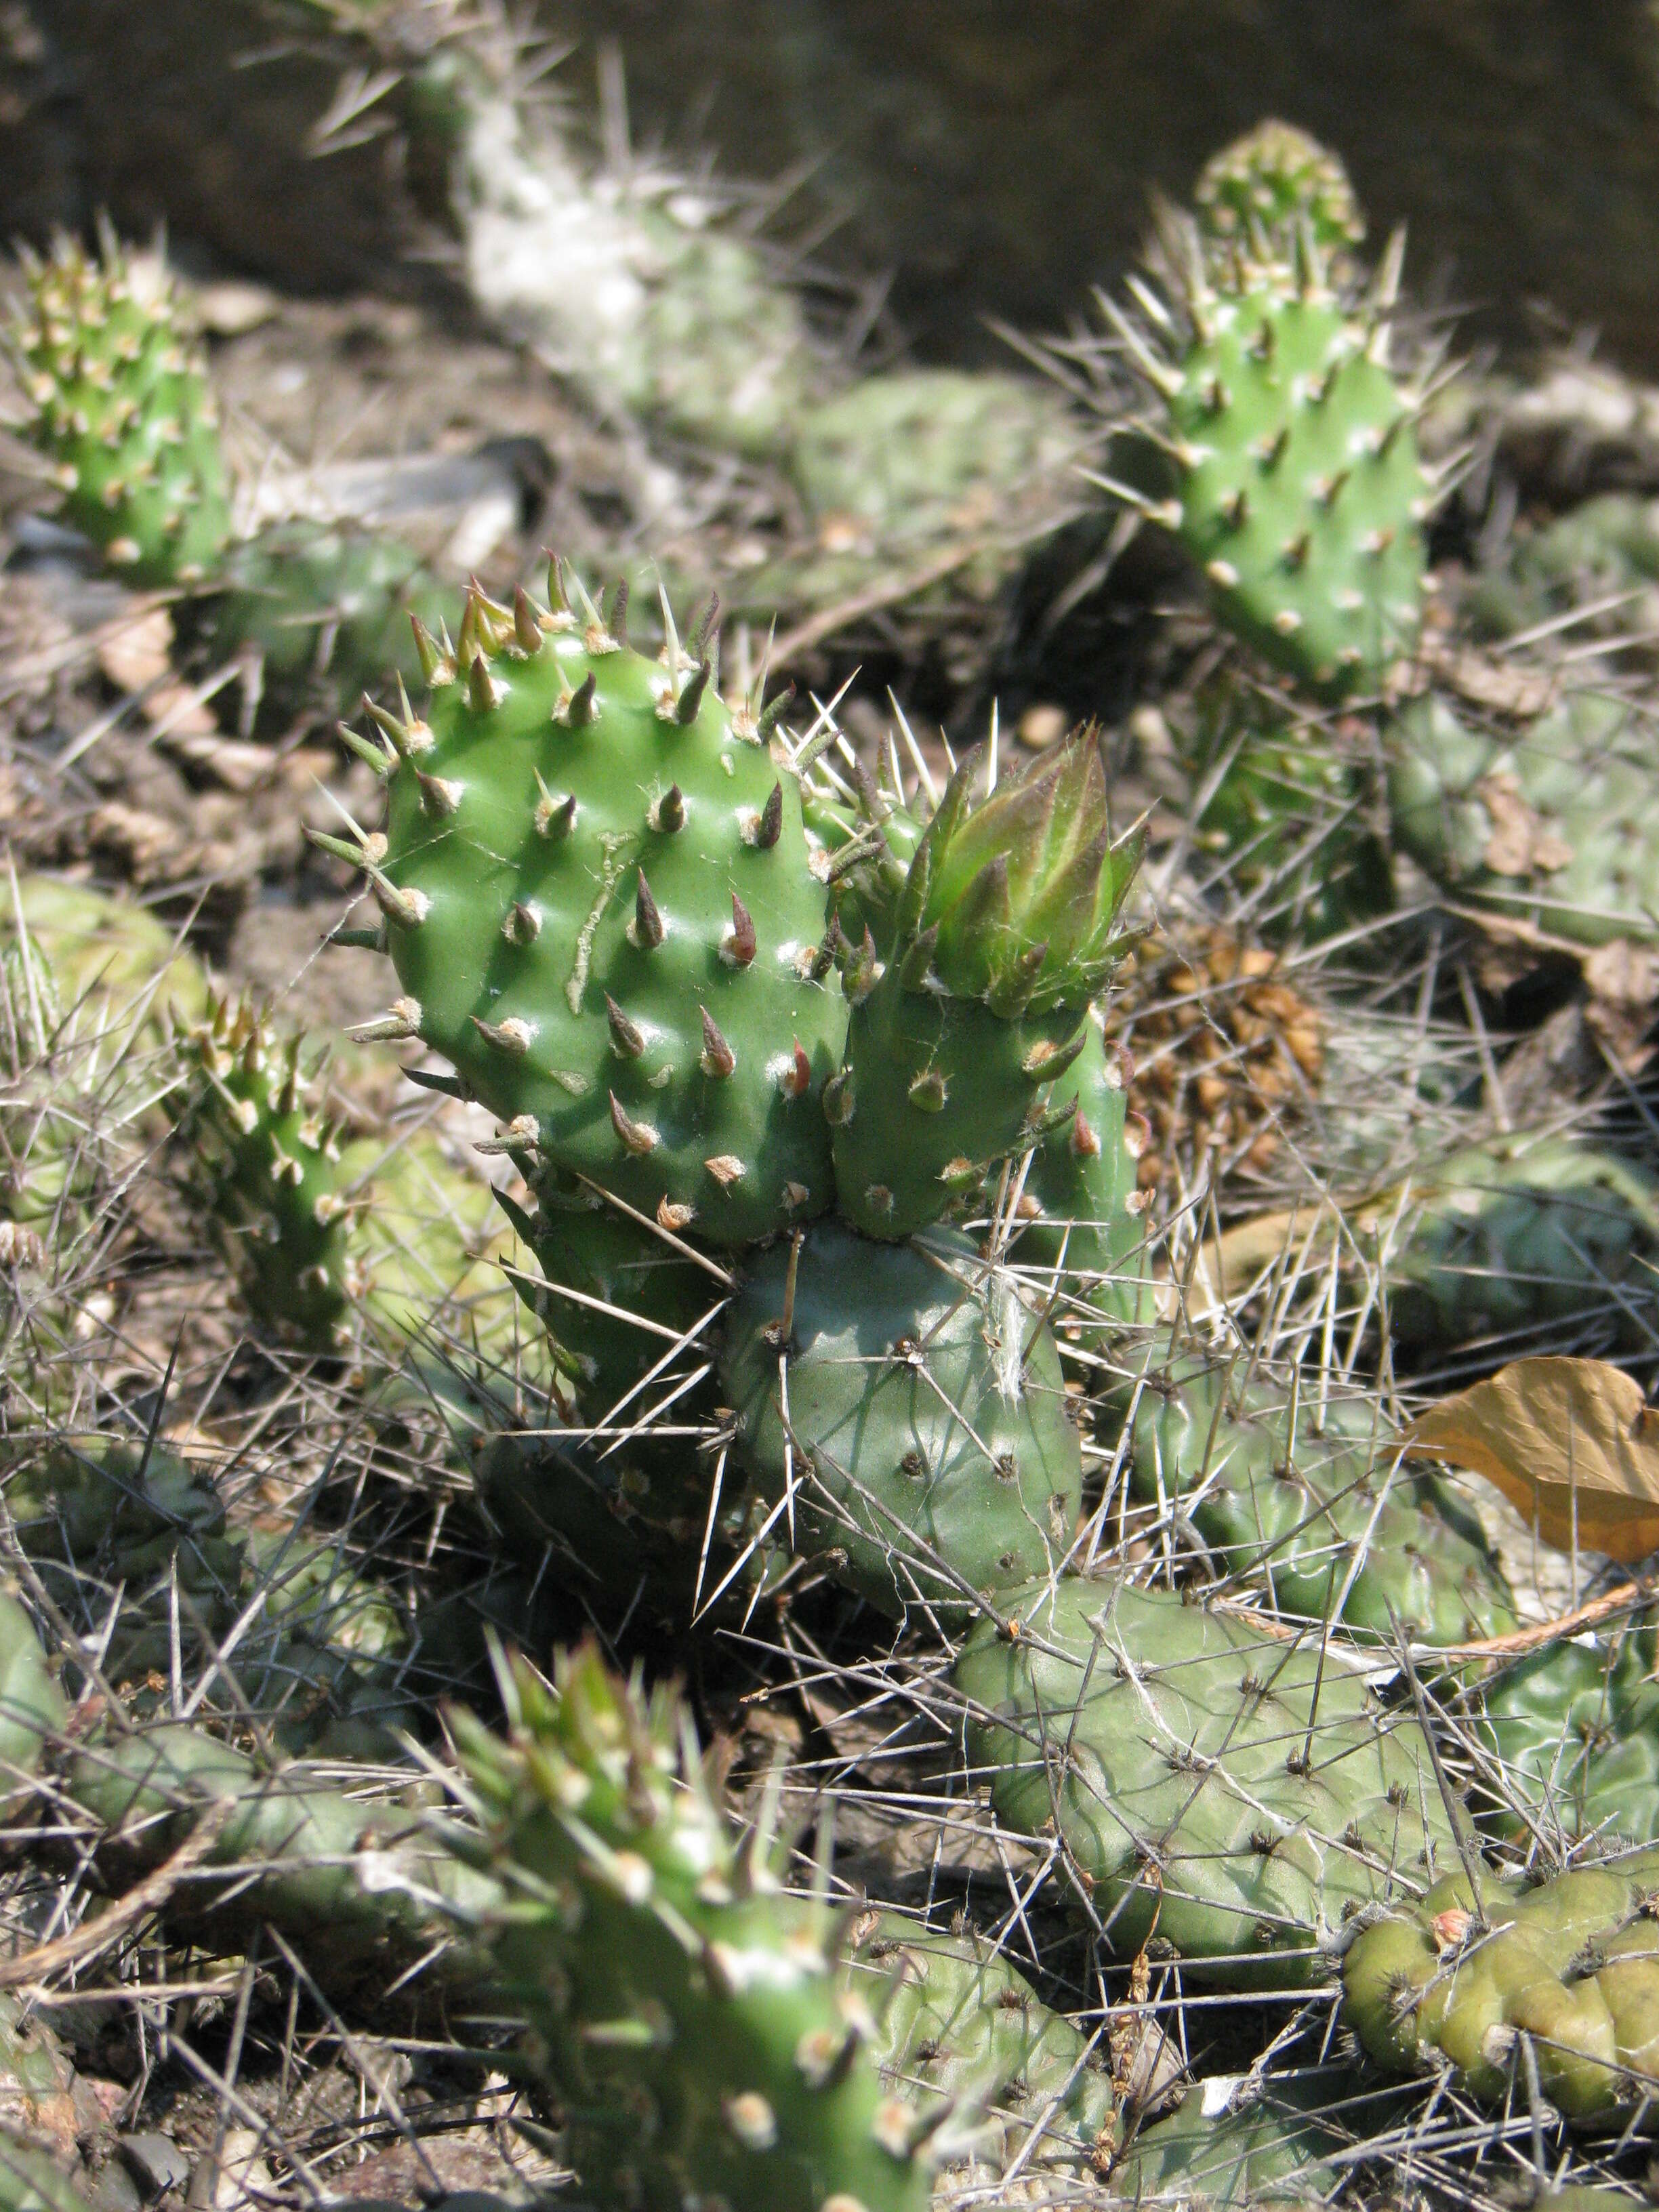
x=1006 y=928
x=1258 y=196
x=691 y=2029
x=1571 y=1967
x=599 y=903
x=1235 y=1794
x=1298 y=488
x=274 y=1182
x=123 y=413
x=904 y=1408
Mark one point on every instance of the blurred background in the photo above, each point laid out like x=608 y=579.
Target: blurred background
x=995 y=159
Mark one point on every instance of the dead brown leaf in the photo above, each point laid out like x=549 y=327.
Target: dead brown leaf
x=1571 y=1443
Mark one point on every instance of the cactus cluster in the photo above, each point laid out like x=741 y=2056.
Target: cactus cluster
x=620 y=913
x=811 y=1107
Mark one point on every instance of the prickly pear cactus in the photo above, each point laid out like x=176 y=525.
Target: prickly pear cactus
x=1259 y=195
x=107 y=1513
x=1298 y=488
x=1554 y=828
x=272 y=1178
x=1246 y=2144
x=956 y=2025
x=690 y=2026
x=1006 y=928
x=1298 y=1489
x=595 y=880
x=123 y=413
x=1523 y=1231
x=1235 y=1795
x=1283 y=803
x=1569 y=1969
x=1080 y=1225
x=321 y=609
x=613 y=1296
x=902 y=1411
x=1572 y=1733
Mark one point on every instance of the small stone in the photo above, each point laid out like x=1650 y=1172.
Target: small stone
x=155 y=2161
x=1041 y=724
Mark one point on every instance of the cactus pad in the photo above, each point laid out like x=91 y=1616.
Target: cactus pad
x=1006 y=928
x=123 y=413
x=600 y=910
x=1556 y=828
x=1235 y=1795
x=1297 y=487
x=1289 y=1487
x=275 y=1184
x=1526 y=1232
x=689 y=2024
x=928 y=1451
x=1574 y=1731
x=956 y=2023
x=1571 y=1968
x=324 y=609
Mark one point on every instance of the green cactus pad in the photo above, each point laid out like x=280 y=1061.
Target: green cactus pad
x=1261 y=193
x=602 y=915
x=1571 y=1967
x=1573 y=1733
x=957 y=2025
x=614 y=1295
x=687 y=2012
x=1298 y=490
x=324 y=609
x=1556 y=828
x=1006 y=928
x=274 y=1181
x=123 y=413
x=929 y=1451
x=1287 y=810
x=1080 y=1227
x=1235 y=1795
x=1524 y=1231
x=1287 y=1484
x=367 y=1891
x=1245 y=2143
